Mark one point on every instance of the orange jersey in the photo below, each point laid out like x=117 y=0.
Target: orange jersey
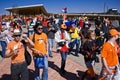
x=40 y=42
x=109 y=52
x=20 y=56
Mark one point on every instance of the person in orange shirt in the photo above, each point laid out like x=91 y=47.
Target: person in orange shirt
x=15 y=49
x=40 y=50
x=109 y=56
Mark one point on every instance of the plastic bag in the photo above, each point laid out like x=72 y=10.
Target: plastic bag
x=39 y=62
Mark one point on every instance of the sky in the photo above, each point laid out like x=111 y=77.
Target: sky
x=73 y=6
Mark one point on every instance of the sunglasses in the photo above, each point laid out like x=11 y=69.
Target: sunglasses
x=39 y=28
x=16 y=35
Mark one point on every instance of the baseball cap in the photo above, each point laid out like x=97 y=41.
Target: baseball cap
x=114 y=32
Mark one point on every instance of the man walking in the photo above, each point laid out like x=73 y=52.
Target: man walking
x=109 y=56
x=16 y=50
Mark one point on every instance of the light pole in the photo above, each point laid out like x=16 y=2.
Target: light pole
x=104 y=7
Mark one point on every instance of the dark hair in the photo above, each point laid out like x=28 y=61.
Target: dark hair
x=15 y=24
x=38 y=22
x=89 y=33
x=36 y=26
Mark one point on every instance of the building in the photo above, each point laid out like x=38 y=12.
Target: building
x=39 y=9
x=28 y=10
x=113 y=11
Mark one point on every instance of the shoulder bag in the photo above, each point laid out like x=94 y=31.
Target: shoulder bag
x=28 y=57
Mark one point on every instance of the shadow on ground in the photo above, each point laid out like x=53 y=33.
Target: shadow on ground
x=68 y=75
x=8 y=76
x=80 y=74
x=5 y=77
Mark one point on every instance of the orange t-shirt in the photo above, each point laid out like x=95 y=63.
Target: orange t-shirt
x=40 y=42
x=20 y=56
x=109 y=52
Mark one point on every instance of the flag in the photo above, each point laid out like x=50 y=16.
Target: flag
x=64 y=10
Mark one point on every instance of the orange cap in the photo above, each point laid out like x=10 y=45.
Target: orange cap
x=63 y=26
x=114 y=32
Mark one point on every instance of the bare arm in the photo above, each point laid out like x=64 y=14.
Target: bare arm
x=30 y=42
x=10 y=53
x=36 y=52
x=106 y=66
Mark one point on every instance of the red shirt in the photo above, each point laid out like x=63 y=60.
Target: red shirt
x=64 y=48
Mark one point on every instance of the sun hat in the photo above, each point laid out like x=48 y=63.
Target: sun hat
x=114 y=32
x=16 y=32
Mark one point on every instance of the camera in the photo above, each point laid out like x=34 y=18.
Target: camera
x=24 y=36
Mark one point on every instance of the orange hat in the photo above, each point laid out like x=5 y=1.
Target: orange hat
x=63 y=26
x=114 y=32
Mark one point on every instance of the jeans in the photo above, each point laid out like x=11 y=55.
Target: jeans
x=3 y=45
x=50 y=46
x=63 y=61
x=19 y=71
x=45 y=71
x=73 y=43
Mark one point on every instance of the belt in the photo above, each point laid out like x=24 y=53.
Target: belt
x=111 y=67
x=18 y=63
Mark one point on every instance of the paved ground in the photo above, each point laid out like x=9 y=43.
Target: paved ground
x=75 y=68
x=80 y=61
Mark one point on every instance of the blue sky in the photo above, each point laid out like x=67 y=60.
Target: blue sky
x=73 y=6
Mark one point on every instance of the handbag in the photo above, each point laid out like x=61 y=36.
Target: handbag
x=39 y=61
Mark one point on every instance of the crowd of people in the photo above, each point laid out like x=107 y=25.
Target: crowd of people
x=67 y=36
